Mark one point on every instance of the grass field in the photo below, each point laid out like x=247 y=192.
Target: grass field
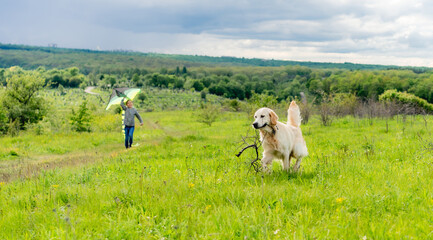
x=183 y=181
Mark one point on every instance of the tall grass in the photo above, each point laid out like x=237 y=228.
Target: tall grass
x=183 y=181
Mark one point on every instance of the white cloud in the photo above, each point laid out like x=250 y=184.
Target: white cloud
x=396 y=32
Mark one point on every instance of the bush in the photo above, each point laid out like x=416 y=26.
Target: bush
x=406 y=98
x=203 y=94
x=235 y=105
x=208 y=114
x=326 y=110
x=263 y=100
x=14 y=128
x=344 y=104
x=3 y=122
x=80 y=120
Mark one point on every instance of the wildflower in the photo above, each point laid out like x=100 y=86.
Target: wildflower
x=207 y=207
x=340 y=200
x=276 y=231
x=55 y=186
x=191 y=185
x=2 y=183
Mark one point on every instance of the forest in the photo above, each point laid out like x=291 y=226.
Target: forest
x=234 y=82
x=234 y=78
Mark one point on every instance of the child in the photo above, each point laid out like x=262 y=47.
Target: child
x=129 y=122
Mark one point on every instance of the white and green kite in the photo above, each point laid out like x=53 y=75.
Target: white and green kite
x=119 y=93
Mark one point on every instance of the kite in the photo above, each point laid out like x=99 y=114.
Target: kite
x=116 y=97
x=119 y=93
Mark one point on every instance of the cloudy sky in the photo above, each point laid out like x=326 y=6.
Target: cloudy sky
x=397 y=32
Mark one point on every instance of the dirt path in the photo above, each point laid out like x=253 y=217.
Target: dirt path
x=89 y=90
x=28 y=167
x=32 y=166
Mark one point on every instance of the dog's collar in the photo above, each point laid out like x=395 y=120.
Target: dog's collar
x=273 y=129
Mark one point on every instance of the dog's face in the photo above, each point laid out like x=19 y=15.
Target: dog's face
x=264 y=117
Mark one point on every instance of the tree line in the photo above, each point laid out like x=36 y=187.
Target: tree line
x=284 y=83
x=333 y=91
x=31 y=57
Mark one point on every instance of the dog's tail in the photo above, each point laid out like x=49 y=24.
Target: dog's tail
x=294 y=115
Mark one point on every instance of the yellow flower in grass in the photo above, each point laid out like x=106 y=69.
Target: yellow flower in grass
x=191 y=185
x=55 y=186
x=2 y=183
x=207 y=207
x=340 y=200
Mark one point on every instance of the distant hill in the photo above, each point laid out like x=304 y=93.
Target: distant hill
x=32 y=57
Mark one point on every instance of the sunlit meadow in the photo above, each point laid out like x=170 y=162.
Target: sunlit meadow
x=182 y=180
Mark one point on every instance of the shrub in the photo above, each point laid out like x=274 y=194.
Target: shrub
x=344 y=104
x=80 y=120
x=235 y=105
x=406 y=98
x=14 y=128
x=326 y=110
x=203 y=94
x=263 y=100
x=3 y=122
x=208 y=114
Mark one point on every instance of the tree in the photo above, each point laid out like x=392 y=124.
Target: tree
x=198 y=86
x=74 y=82
x=21 y=102
x=111 y=80
x=80 y=120
x=178 y=83
x=57 y=80
x=74 y=71
x=219 y=89
x=141 y=96
x=135 y=78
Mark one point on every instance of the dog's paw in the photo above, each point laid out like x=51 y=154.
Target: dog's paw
x=297 y=169
x=266 y=170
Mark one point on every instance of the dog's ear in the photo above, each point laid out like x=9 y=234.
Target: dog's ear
x=274 y=118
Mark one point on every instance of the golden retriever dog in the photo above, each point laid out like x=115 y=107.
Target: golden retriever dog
x=279 y=140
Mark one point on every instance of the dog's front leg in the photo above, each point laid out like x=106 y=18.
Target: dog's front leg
x=266 y=160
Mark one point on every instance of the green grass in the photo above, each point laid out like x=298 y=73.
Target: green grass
x=184 y=181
